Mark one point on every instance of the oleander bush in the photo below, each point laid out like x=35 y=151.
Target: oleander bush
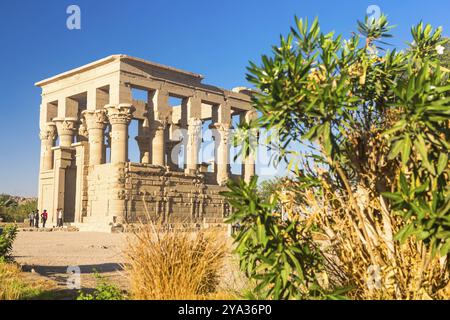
x=365 y=132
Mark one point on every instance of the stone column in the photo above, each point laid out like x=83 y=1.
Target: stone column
x=143 y=141
x=119 y=116
x=223 y=153
x=222 y=122
x=47 y=136
x=67 y=128
x=193 y=144
x=143 y=144
x=159 y=115
x=158 y=145
x=191 y=116
x=249 y=159
x=95 y=123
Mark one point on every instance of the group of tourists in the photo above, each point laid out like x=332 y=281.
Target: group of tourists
x=35 y=217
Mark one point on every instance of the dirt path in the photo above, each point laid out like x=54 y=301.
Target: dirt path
x=49 y=254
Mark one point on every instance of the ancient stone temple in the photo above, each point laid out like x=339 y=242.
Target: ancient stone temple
x=85 y=169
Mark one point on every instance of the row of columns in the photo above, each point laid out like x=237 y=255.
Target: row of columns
x=119 y=116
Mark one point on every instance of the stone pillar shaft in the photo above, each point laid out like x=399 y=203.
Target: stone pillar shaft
x=192 y=111
x=119 y=117
x=160 y=114
x=47 y=136
x=193 y=144
x=158 y=146
x=223 y=153
x=96 y=122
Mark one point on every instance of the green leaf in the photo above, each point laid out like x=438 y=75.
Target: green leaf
x=406 y=150
x=422 y=149
x=395 y=196
x=395 y=150
x=404 y=232
x=442 y=163
x=404 y=184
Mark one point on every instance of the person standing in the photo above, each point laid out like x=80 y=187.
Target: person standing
x=36 y=219
x=44 y=217
x=31 y=217
x=60 y=218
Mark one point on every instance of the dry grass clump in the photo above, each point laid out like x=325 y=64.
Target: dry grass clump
x=172 y=264
x=12 y=284
x=10 y=288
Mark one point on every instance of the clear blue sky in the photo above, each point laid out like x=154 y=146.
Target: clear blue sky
x=210 y=37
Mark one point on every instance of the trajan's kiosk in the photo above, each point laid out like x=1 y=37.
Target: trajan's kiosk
x=84 y=130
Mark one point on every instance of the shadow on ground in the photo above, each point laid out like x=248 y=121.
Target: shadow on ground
x=60 y=276
x=49 y=271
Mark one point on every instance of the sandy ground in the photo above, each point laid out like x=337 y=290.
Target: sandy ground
x=46 y=256
x=49 y=254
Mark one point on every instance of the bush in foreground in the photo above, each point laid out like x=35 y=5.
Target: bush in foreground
x=366 y=135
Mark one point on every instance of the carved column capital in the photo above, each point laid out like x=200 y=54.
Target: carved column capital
x=194 y=122
x=48 y=132
x=83 y=132
x=159 y=124
x=221 y=126
x=224 y=131
x=120 y=114
x=194 y=127
x=95 y=119
x=66 y=126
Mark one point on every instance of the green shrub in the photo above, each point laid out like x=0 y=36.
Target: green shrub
x=279 y=254
x=7 y=237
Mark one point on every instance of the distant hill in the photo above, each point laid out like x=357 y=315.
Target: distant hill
x=22 y=200
x=19 y=200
